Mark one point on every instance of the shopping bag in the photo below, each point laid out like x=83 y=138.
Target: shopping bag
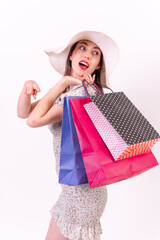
x=72 y=170
x=111 y=138
x=137 y=133
x=100 y=166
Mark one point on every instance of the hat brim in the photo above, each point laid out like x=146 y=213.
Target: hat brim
x=109 y=48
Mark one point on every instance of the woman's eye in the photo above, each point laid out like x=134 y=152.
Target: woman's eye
x=82 y=47
x=95 y=53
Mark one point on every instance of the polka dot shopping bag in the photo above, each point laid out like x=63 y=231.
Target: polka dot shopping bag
x=125 y=131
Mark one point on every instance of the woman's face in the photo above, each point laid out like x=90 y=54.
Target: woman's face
x=85 y=58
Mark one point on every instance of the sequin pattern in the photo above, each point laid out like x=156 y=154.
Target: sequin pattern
x=79 y=208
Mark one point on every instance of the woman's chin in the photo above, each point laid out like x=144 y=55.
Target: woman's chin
x=77 y=75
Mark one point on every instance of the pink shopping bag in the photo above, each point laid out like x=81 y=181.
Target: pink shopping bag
x=111 y=138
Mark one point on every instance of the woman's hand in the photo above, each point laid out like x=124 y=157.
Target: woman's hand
x=24 y=105
x=70 y=81
x=31 y=88
x=89 y=78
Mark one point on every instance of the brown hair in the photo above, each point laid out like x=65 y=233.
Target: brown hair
x=97 y=72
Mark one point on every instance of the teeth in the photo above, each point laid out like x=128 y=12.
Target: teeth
x=83 y=63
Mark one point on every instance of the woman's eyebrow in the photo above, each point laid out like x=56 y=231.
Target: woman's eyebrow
x=93 y=47
x=97 y=48
x=84 y=43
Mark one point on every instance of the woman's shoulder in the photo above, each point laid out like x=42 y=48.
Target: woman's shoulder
x=79 y=90
x=76 y=90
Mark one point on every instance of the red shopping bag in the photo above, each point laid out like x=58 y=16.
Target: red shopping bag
x=100 y=166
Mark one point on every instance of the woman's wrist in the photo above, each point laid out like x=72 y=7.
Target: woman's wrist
x=23 y=105
x=26 y=96
x=63 y=82
x=60 y=86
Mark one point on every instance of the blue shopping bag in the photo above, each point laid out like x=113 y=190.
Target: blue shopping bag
x=72 y=170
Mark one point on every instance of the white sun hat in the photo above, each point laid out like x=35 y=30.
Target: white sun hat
x=109 y=48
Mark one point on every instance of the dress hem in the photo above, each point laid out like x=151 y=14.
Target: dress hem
x=73 y=232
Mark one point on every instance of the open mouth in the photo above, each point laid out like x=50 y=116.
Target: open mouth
x=83 y=65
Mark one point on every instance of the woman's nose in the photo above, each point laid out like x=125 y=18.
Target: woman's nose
x=87 y=55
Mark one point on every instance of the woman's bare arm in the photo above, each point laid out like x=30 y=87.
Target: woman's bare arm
x=46 y=112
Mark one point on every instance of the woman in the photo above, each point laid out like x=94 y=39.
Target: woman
x=92 y=56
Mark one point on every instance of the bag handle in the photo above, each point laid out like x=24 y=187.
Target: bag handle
x=94 y=87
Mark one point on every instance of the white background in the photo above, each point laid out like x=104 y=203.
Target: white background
x=28 y=182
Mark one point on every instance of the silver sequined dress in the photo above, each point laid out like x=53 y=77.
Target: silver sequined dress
x=79 y=208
